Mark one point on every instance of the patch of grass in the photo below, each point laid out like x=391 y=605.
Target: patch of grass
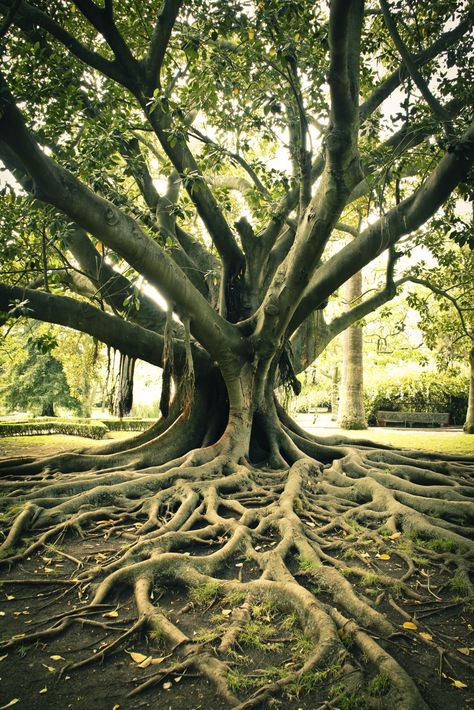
x=370 y=580
x=234 y=598
x=379 y=686
x=158 y=637
x=207 y=635
x=239 y=682
x=290 y=621
x=349 y=553
x=204 y=594
x=307 y=565
x=440 y=544
x=347 y=701
x=459 y=586
x=257 y=634
x=303 y=645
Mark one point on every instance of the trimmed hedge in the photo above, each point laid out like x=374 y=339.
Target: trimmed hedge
x=94 y=430
x=91 y=428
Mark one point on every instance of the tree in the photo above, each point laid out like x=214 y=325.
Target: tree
x=36 y=379
x=97 y=103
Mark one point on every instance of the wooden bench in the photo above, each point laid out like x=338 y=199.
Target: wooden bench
x=412 y=418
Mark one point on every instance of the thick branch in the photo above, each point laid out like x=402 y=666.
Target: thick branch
x=60 y=188
x=129 y=338
x=410 y=214
x=159 y=41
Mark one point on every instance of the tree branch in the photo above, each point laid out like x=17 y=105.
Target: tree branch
x=159 y=42
x=57 y=186
x=129 y=338
x=410 y=214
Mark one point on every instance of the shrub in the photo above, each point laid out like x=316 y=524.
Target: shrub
x=424 y=392
x=95 y=430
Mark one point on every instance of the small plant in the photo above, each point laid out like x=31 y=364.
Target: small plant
x=370 y=580
x=290 y=621
x=157 y=636
x=459 y=585
x=207 y=635
x=347 y=701
x=440 y=545
x=305 y=564
x=234 y=598
x=204 y=594
x=257 y=635
x=379 y=686
x=303 y=645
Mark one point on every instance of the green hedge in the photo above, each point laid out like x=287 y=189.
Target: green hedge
x=91 y=428
x=424 y=392
x=95 y=430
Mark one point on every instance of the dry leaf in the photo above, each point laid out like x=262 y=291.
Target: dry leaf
x=157 y=661
x=51 y=669
x=115 y=707
x=57 y=658
x=425 y=636
x=2 y=658
x=12 y=702
x=167 y=685
x=310 y=525
x=146 y=662
x=383 y=557
x=48 y=570
x=10 y=597
x=409 y=625
x=226 y=612
x=458 y=684
x=137 y=657
x=110 y=615
x=464 y=651
x=43 y=691
x=178 y=678
x=394 y=536
x=2 y=613
x=239 y=564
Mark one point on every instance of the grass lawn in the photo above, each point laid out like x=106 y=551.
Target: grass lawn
x=49 y=444
x=443 y=440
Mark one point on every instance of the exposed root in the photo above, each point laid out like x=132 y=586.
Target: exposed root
x=309 y=536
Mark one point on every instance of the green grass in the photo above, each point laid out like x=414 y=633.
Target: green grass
x=446 y=442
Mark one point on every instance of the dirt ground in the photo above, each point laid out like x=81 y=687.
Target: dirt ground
x=436 y=646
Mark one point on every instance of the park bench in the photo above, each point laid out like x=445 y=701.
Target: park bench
x=412 y=418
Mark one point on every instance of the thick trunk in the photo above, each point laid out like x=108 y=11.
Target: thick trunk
x=123 y=392
x=469 y=423
x=47 y=409
x=351 y=412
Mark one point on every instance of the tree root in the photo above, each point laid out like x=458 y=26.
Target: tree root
x=310 y=539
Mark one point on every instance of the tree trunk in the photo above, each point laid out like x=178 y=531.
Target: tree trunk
x=123 y=391
x=469 y=423
x=351 y=409
x=47 y=409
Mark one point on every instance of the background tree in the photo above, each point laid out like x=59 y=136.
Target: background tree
x=112 y=119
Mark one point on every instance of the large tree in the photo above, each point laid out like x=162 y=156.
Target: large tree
x=99 y=101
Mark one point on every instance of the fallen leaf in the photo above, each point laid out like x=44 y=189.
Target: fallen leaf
x=51 y=669
x=43 y=691
x=110 y=614
x=226 y=612
x=10 y=597
x=146 y=662
x=2 y=658
x=425 y=636
x=2 y=613
x=115 y=707
x=137 y=657
x=383 y=557
x=310 y=525
x=157 y=661
x=178 y=678
x=239 y=564
x=394 y=536
x=167 y=685
x=458 y=684
x=48 y=569
x=464 y=651
x=105 y=522
x=12 y=702
x=409 y=625
x=57 y=658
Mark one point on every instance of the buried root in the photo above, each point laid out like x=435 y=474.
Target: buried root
x=292 y=563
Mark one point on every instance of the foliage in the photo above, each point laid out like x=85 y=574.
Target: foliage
x=425 y=392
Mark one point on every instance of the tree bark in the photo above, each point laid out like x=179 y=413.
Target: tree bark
x=469 y=423
x=351 y=413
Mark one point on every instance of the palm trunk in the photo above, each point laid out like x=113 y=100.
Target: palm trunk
x=351 y=408
x=469 y=423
